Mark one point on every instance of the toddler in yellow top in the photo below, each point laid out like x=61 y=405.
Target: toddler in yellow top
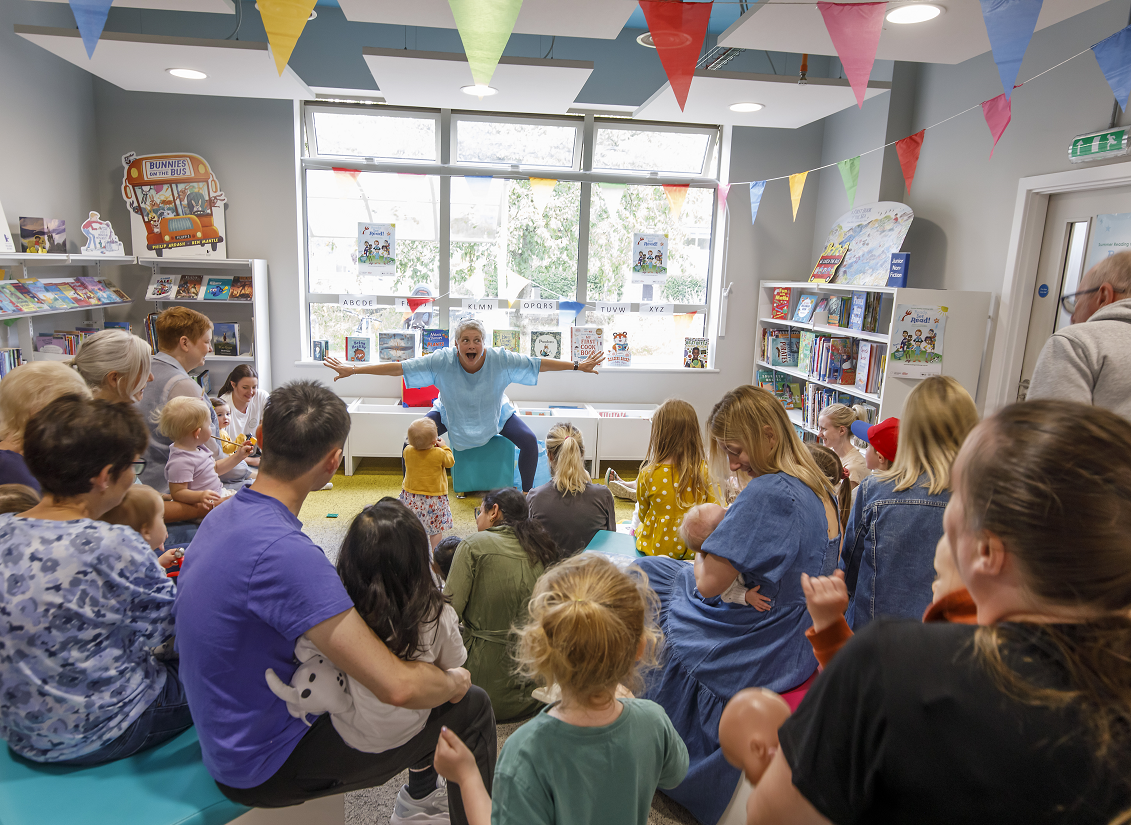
x=672 y=481
x=425 y=487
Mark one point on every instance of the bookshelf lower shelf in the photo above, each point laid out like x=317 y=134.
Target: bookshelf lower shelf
x=847 y=389
x=798 y=419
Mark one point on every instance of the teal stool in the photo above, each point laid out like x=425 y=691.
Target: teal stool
x=484 y=468
x=617 y=544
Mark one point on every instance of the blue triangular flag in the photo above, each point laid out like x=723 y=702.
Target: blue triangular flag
x=756 y=190
x=571 y=306
x=90 y=15
x=1114 y=57
x=1010 y=25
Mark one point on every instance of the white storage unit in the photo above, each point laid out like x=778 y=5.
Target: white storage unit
x=582 y=416
x=623 y=431
x=378 y=428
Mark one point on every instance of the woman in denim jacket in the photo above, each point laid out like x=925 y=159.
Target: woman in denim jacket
x=896 y=520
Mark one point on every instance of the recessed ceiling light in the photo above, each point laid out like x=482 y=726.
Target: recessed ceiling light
x=479 y=91
x=917 y=13
x=646 y=40
x=746 y=107
x=187 y=74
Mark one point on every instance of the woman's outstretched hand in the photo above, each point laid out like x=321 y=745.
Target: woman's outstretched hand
x=591 y=363
x=342 y=370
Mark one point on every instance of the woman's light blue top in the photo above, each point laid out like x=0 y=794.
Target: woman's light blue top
x=472 y=405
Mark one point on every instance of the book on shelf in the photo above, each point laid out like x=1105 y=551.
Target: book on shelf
x=226 y=339
x=20 y=299
x=779 y=310
x=433 y=340
x=6 y=303
x=788 y=392
x=241 y=288
x=49 y=300
x=506 y=339
x=870 y=367
x=805 y=351
x=113 y=287
x=203 y=380
x=188 y=287
x=160 y=288
x=766 y=379
x=856 y=313
x=84 y=292
x=150 y=329
x=396 y=345
x=216 y=288
x=358 y=347
x=546 y=343
x=98 y=290
x=820 y=313
x=117 y=325
x=46 y=342
x=586 y=341
x=695 y=353
x=842 y=362
x=784 y=346
x=805 y=306
x=833 y=319
x=10 y=357
x=319 y=349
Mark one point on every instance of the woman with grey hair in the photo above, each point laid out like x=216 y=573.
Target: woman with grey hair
x=115 y=365
x=472 y=377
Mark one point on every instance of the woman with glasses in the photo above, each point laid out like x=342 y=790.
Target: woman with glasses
x=784 y=523
x=24 y=392
x=80 y=683
x=492 y=576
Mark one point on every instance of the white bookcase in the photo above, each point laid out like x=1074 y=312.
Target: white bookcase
x=964 y=340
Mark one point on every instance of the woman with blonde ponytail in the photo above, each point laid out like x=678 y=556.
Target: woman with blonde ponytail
x=571 y=507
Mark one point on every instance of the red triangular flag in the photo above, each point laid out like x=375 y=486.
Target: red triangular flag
x=350 y=173
x=677 y=31
x=997 y=111
x=855 y=30
x=416 y=303
x=908 y=150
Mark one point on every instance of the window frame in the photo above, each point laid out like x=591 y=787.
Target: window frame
x=715 y=171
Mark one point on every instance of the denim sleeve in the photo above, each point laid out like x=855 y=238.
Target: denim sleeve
x=855 y=535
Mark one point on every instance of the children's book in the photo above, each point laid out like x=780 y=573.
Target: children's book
x=827 y=264
x=56 y=235
x=84 y=293
x=99 y=290
x=6 y=304
x=805 y=352
x=433 y=340
x=160 y=288
x=785 y=347
x=620 y=355
x=46 y=342
x=117 y=325
x=398 y=345
x=546 y=343
x=805 y=306
x=226 y=339
x=695 y=353
x=33 y=235
x=506 y=339
x=586 y=342
x=319 y=349
x=842 y=364
x=918 y=335
x=241 y=288
x=217 y=288
x=113 y=287
x=863 y=365
x=36 y=303
x=780 y=308
x=766 y=379
x=19 y=299
x=52 y=300
x=357 y=348
x=188 y=287
x=834 y=311
x=856 y=314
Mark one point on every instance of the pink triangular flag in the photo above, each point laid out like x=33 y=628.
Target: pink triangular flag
x=724 y=190
x=998 y=111
x=855 y=31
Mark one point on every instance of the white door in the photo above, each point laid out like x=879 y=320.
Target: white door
x=1064 y=250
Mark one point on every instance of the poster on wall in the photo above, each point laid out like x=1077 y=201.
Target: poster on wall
x=917 y=333
x=176 y=206
x=100 y=237
x=377 y=256
x=871 y=234
x=649 y=258
x=1110 y=234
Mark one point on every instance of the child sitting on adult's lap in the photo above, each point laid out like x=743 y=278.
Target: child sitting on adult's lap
x=192 y=472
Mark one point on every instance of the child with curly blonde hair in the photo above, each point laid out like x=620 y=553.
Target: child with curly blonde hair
x=598 y=755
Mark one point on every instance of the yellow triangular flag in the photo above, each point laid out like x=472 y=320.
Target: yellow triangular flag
x=796 y=187
x=542 y=189
x=283 y=21
x=677 y=194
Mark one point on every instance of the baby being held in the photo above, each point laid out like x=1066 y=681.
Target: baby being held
x=193 y=474
x=748 y=733
x=700 y=521
x=143 y=509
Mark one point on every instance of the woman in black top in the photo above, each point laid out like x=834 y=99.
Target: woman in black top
x=1025 y=719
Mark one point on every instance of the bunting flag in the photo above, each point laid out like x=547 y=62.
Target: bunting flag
x=416 y=303
x=542 y=189
x=349 y=173
x=908 y=151
x=677 y=30
x=1114 y=56
x=571 y=306
x=796 y=187
x=724 y=190
x=677 y=194
x=90 y=16
x=997 y=111
x=612 y=194
x=756 y=190
x=1010 y=25
x=681 y=323
x=284 y=20
x=484 y=26
x=514 y=285
x=850 y=174
x=855 y=31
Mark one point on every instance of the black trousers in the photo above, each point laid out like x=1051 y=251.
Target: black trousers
x=323 y=765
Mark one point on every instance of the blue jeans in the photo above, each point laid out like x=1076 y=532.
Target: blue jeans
x=160 y=722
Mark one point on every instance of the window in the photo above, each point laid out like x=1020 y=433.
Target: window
x=517 y=215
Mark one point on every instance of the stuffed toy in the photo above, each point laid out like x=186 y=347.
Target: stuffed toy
x=316 y=688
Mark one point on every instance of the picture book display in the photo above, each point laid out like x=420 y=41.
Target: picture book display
x=241 y=288
x=779 y=309
x=100 y=290
x=805 y=306
x=781 y=347
x=433 y=340
x=100 y=237
x=832 y=311
x=620 y=354
x=160 y=288
x=871 y=234
x=586 y=342
x=176 y=206
x=396 y=345
x=917 y=335
x=357 y=348
x=217 y=288
x=695 y=353
x=870 y=363
x=51 y=299
x=546 y=343
x=506 y=339
x=377 y=253
x=827 y=264
x=188 y=287
x=226 y=339
x=856 y=311
x=649 y=258
x=42 y=236
x=319 y=349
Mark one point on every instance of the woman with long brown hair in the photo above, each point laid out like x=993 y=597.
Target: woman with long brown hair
x=783 y=523
x=1025 y=717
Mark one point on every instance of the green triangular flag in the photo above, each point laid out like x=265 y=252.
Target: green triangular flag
x=485 y=26
x=850 y=174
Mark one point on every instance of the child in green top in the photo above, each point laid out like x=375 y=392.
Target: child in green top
x=598 y=755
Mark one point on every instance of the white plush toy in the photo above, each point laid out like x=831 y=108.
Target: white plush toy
x=317 y=687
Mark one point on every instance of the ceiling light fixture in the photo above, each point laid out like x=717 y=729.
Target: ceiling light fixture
x=187 y=74
x=646 y=40
x=744 y=108
x=917 y=13
x=479 y=91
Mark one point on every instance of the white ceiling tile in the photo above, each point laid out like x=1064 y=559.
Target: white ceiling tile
x=577 y=18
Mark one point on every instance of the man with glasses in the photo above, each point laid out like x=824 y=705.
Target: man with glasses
x=1090 y=361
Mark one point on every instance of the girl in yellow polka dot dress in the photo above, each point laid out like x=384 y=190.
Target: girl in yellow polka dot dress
x=672 y=480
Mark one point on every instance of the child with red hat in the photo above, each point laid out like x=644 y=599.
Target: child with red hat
x=881 y=439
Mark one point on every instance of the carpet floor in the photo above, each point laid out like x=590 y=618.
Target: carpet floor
x=326 y=517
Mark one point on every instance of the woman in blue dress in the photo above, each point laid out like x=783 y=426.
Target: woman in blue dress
x=472 y=378
x=783 y=523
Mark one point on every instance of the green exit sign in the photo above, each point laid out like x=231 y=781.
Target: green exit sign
x=1099 y=145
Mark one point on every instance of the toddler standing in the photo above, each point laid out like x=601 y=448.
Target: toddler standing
x=425 y=487
x=192 y=472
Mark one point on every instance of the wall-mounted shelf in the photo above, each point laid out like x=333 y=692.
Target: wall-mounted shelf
x=63 y=259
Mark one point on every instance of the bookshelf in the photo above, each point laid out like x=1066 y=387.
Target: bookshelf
x=964 y=340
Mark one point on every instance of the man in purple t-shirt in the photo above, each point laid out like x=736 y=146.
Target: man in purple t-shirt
x=250 y=585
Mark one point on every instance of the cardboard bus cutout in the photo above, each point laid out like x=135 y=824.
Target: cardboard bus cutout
x=176 y=205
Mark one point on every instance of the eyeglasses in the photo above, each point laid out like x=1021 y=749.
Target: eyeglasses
x=138 y=466
x=1068 y=302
